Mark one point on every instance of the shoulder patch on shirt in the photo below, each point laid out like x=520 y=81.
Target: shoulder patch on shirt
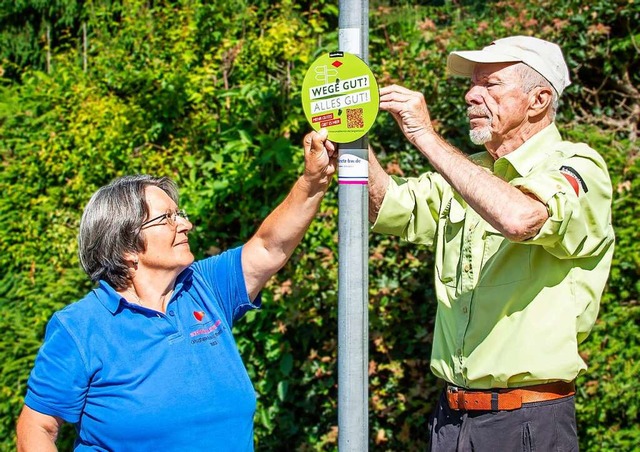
x=574 y=179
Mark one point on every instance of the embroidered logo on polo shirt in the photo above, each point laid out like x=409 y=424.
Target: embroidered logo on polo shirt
x=574 y=178
x=207 y=334
x=199 y=315
x=206 y=330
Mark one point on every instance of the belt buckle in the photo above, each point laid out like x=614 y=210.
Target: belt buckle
x=453 y=397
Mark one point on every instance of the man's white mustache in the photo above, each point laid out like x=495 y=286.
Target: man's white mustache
x=477 y=110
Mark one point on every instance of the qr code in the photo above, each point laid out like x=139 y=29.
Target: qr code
x=354 y=118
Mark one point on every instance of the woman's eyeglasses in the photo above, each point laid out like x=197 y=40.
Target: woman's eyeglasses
x=172 y=218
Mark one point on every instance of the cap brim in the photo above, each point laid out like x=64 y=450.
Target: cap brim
x=462 y=62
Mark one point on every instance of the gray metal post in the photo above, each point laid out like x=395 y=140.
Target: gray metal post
x=353 y=275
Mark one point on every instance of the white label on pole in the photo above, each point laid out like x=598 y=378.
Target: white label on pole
x=353 y=170
x=349 y=39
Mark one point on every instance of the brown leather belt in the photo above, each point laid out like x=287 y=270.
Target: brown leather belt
x=506 y=399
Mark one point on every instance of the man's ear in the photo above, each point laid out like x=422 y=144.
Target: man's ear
x=540 y=99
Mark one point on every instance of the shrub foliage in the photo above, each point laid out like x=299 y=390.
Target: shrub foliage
x=208 y=92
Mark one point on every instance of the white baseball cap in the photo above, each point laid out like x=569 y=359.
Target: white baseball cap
x=543 y=56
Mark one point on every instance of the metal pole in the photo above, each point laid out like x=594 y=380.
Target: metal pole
x=353 y=277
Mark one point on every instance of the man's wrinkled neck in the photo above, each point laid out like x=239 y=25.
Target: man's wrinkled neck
x=511 y=141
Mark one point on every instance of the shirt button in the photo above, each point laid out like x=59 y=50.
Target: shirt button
x=467 y=267
x=459 y=352
x=464 y=309
x=171 y=313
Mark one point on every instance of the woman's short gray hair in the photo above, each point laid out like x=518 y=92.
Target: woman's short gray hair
x=110 y=227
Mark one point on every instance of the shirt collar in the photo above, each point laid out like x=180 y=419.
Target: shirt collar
x=483 y=159
x=108 y=296
x=111 y=299
x=529 y=154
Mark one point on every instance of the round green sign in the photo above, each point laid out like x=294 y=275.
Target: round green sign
x=340 y=94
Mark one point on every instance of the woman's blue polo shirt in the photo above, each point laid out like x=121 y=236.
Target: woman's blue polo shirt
x=133 y=379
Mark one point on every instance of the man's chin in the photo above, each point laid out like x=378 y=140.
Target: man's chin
x=480 y=136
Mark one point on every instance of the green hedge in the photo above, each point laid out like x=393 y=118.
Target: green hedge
x=209 y=94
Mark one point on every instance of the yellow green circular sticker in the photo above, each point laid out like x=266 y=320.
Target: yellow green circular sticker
x=340 y=94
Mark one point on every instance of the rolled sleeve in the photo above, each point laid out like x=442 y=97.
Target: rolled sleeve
x=579 y=223
x=410 y=208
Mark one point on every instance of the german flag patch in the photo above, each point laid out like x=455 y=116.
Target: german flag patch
x=574 y=179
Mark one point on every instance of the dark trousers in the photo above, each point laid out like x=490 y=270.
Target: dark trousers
x=542 y=426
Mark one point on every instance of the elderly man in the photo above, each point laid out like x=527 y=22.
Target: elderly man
x=523 y=242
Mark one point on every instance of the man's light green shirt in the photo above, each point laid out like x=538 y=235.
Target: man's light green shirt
x=512 y=314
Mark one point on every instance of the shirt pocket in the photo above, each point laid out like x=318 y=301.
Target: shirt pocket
x=448 y=263
x=503 y=262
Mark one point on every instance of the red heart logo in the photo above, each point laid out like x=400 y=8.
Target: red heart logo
x=199 y=315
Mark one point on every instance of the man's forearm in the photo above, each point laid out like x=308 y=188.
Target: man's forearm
x=516 y=215
x=378 y=183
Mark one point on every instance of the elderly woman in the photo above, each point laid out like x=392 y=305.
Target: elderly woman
x=147 y=360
